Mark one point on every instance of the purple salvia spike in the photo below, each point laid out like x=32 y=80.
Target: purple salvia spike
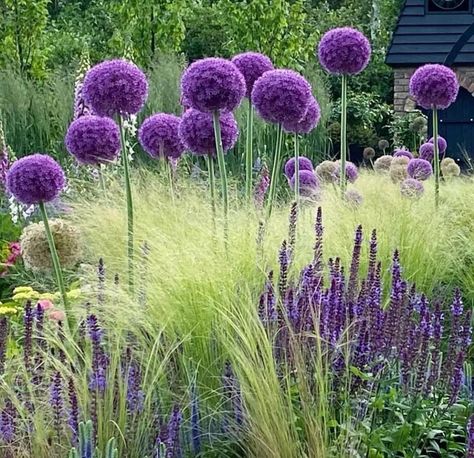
x=437 y=334
x=135 y=395
x=425 y=331
x=116 y=279
x=456 y=378
x=101 y=282
x=292 y=225
x=232 y=394
x=318 y=245
x=466 y=330
x=407 y=355
x=56 y=401
x=284 y=264
x=352 y=287
x=98 y=380
x=73 y=417
x=28 y=336
x=195 y=421
x=173 y=446
x=41 y=346
x=3 y=343
x=261 y=187
x=8 y=417
x=470 y=438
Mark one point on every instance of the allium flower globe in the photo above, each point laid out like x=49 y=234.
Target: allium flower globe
x=196 y=131
x=352 y=172
x=36 y=178
x=450 y=169
x=434 y=86
x=308 y=122
x=383 y=163
x=400 y=160
x=327 y=171
x=402 y=152
x=308 y=181
x=411 y=188
x=252 y=65
x=213 y=84
x=383 y=144
x=344 y=51
x=442 y=144
x=427 y=151
x=115 y=87
x=368 y=153
x=303 y=162
x=93 y=140
x=353 y=197
x=159 y=136
x=398 y=172
x=281 y=96
x=419 y=169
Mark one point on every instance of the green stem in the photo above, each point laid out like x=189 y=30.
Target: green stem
x=249 y=153
x=275 y=170
x=222 y=170
x=212 y=184
x=297 y=170
x=343 y=179
x=128 y=192
x=101 y=178
x=170 y=177
x=57 y=268
x=436 y=155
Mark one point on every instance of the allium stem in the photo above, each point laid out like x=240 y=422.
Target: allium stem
x=275 y=169
x=343 y=178
x=169 y=171
x=57 y=267
x=297 y=169
x=128 y=191
x=212 y=185
x=249 y=153
x=222 y=171
x=436 y=155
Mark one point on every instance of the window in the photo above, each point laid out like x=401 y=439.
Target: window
x=448 y=5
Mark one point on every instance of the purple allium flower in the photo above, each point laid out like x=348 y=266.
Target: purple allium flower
x=73 y=417
x=281 y=96
x=252 y=65
x=419 y=169
x=93 y=140
x=352 y=172
x=434 y=86
x=213 y=84
x=56 y=401
x=344 y=51
x=411 y=188
x=353 y=197
x=309 y=183
x=308 y=122
x=115 y=87
x=159 y=136
x=470 y=438
x=197 y=132
x=402 y=152
x=442 y=144
x=383 y=163
x=303 y=162
x=36 y=178
x=427 y=151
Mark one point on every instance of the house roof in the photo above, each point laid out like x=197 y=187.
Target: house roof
x=423 y=37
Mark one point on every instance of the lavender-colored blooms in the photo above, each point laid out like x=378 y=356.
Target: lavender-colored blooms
x=355 y=262
x=135 y=395
x=159 y=136
x=93 y=140
x=252 y=65
x=115 y=87
x=4 y=161
x=281 y=96
x=197 y=132
x=411 y=188
x=308 y=122
x=419 y=169
x=213 y=84
x=442 y=144
x=426 y=151
x=36 y=178
x=352 y=172
x=56 y=402
x=173 y=446
x=434 y=86
x=262 y=187
x=344 y=51
x=232 y=394
x=308 y=183
x=8 y=416
x=303 y=162
x=98 y=377
x=457 y=377
x=3 y=343
x=28 y=318
x=470 y=438
x=402 y=152
x=73 y=414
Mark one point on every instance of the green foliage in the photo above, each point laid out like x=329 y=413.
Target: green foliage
x=86 y=441
x=408 y=131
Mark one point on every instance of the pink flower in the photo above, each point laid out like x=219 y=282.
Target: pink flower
x=45 y=304
x=57 y=315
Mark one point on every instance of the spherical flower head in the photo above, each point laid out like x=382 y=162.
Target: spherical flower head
x=442 y=144
x=327 y=172
x=115 y=87
x=353 y=197
x=36 y=178
x=382 y=164
x=398 y=172
x=419 y=169
x=434 y=86
x=427 y=151
x=400 y=160
x=159 y=136
x=411 y=188
x=419 y=124
x=383 y=144
x=344 y=51
x=281 y=96
x=402 y=152
x=308 y=122
x=352 y=173
x=447 y=160
x=196 y=131
x=368 y=153
x=93 y=140
x=303 y=162
x=35 y=248
x=308 y=182
x=45 y=304
x=213 y=84
x=451 y=170
x=252 y=65
x=57 y=315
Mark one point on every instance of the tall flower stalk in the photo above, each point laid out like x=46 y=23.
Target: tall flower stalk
x=436 y=154
x=249 y=153
x=343 y=177
x=275 y=170
x=222 y=169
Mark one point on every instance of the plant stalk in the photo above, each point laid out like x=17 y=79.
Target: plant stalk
x=297 y=170
x=275 y=170
x=436 y=155
x=212 y=184
x=249 y=153
x=343 y=178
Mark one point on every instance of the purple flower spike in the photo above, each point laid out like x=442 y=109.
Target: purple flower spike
x=470 y=438
x=411 y=188
x=402 y=152
x=309 y=121
x=56 y=400
x=309 y=183
x=281 y=96
x=93 y=140
x=252 y=65
x=344 y=51
x=442 y=144
x=115 y=87
x=304 y=164
x=173 y=446
x=419 y=169
x=159 y=136
x=434 y=86
x=427 y=151
x=36 y=178
x=213 y=84
x=197 y=132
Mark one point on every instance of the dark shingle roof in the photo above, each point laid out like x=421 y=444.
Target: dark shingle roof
x=423 y=37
